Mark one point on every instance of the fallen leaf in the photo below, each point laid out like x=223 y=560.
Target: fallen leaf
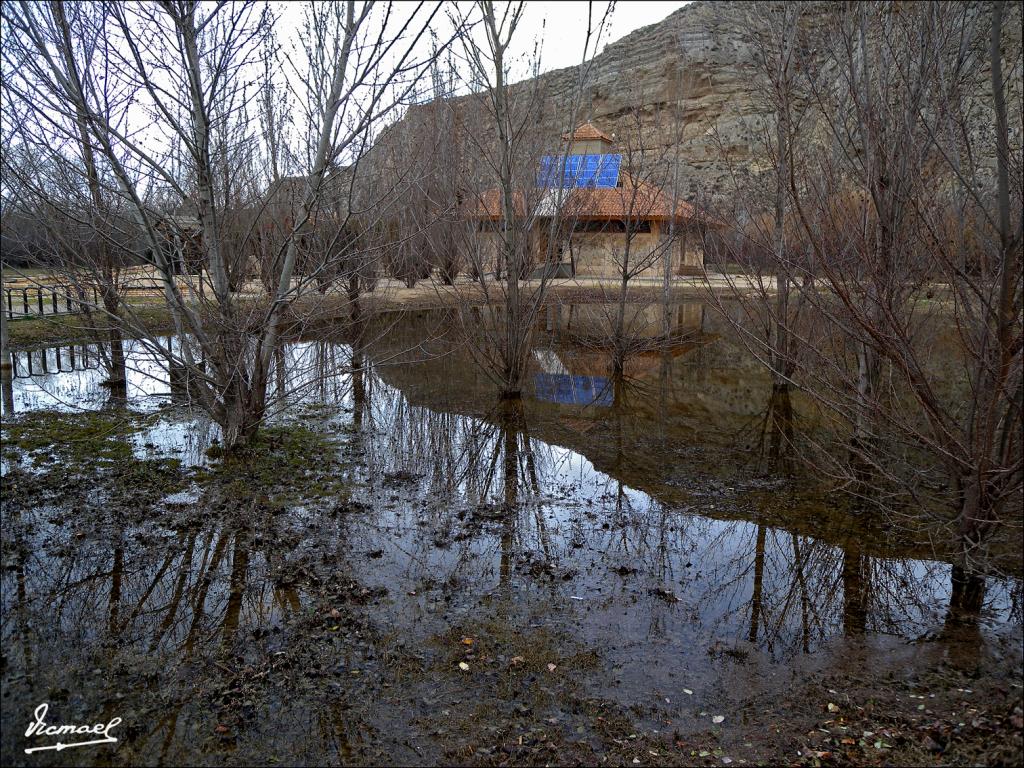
x=517 y=660
x=552 y=667
x=467 y=641
x=464 y=666
x=832 y=707
x=221 y=729
x=718 y=719
x=687 y=691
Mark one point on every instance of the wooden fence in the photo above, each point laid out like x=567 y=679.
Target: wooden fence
x=49 y=301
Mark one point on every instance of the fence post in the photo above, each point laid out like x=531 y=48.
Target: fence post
x=53 y=295
x=39 y=301
x=67 y=300
x=24 y=300
x=10 y=308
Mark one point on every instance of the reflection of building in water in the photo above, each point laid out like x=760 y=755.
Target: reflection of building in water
x=643 y=320
x=555 y=384
x=572 y=390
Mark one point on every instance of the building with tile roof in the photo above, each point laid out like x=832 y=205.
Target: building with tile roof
x=599 y=208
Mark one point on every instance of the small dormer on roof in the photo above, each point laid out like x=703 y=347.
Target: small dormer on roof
x=589 y=139
x=588 y=132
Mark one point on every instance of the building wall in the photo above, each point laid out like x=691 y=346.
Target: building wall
x=690 y=256
x=592 y=147
x=599 y=254
x=487 y=244
x=595 y=252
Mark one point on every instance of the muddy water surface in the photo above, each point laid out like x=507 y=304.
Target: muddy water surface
x=604 y=565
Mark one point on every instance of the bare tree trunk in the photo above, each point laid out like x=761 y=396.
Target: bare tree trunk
x=619 y=339
x=510 y=241
x=990 y=420
x=5 y=339
x=6 y=366
x=855 y=589
x=756 y=599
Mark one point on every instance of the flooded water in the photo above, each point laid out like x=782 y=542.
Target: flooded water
x=634 y=543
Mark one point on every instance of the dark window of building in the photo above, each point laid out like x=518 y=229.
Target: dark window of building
x=608 y=227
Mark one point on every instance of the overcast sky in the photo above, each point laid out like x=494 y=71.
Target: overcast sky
x=560 y=27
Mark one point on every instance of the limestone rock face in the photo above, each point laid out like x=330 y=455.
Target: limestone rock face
x=692 y=76
x=695 y=77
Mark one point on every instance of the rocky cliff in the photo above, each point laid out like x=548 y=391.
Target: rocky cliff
x=695 y=77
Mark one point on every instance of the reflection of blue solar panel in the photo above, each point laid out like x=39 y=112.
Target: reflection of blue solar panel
x=572 y=390
x=579 y=171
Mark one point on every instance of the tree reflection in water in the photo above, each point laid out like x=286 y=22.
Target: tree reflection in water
x=449 y=509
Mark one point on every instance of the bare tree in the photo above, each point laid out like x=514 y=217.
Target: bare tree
x=898 y=230
x=197 y=73
x=82 y=234
x=516 y=221
x=632 y=229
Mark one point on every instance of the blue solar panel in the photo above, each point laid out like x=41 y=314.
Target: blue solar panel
x=608 y=175
x=544 y=177
x=580 y=171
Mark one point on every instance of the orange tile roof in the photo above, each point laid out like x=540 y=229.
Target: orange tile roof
x=588 y=132
x=637 y=201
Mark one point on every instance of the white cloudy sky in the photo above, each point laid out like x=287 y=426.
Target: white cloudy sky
x=559 y=27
